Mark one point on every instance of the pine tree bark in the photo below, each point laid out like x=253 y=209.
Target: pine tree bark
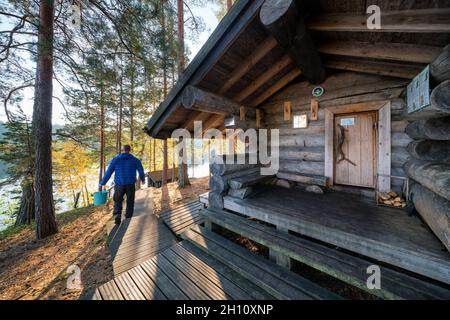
x=26 y=212
x=42 y=122
x=183 y=179
x=165 y=164
x=120 y=115
x=102 y=136
x=132 y=88
x=181 y=61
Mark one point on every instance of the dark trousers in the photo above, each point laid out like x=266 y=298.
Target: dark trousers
x=119 y=193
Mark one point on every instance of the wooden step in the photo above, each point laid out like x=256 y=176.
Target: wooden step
x=183 y=216
x=343 y=266
x=181 y=272
x=280 y=283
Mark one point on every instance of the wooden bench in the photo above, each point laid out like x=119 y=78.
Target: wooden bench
x=279 y=282
x=343 y=266
x=154 y=178
x=303 y=178
x=248 y=180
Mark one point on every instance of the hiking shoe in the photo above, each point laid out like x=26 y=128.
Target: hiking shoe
x=117 y=219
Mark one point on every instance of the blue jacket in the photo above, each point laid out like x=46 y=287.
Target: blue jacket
x=125 y=166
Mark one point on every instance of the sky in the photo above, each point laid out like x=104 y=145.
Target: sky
x=210 y=20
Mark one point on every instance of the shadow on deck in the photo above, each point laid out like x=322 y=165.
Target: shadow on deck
x=140 y=238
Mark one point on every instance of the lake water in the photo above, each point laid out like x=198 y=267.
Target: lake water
x=196 y=171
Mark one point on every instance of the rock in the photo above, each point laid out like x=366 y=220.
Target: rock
x=283 y=183
x=314 y=189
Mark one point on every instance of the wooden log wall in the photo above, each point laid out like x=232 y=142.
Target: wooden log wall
x=302 y=151
x=429 y=166
x=234 y=179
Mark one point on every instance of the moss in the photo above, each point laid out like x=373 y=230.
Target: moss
x=62 y=218
x=12 y=230
x=71 y=215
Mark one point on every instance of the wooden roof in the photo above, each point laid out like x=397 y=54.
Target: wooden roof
x=243 y=63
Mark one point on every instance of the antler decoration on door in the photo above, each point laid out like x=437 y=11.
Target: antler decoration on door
x=341 y=140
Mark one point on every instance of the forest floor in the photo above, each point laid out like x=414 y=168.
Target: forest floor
x=37 y=269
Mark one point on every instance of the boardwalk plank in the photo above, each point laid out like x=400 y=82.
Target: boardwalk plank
x=210 y=288
x=148 y=288
x=218 y=279
x=170 y=290
x=249 y=287
x=183 y=282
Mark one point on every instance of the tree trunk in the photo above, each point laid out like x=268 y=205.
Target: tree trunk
x=164 y=48
x=26 y=209
x=76 y=200
x=181 y=62
x=429 y=150
x=173 y=160
x=119 y=127
x=435 y=210
x=154 y=155
x=164 y=173
x=183 y=179
x=87 y=193
x=102 y=136
x=42 y=121
x=132 y=102
x=432 y=129
x=434 y=176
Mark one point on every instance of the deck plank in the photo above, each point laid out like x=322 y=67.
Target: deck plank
x=204 y=283
x=187 y=285
x=279 y=282
x=183 y=216
x=148 y=288
x=214 y=275
x=139 y=238
x=170 y=290
x=253 y=290
x=356 y=224
x=341 y=265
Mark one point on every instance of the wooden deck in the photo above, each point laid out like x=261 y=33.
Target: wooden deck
x=139 y=238
x=352 y=223
x=336 y=263
x=183 y=216
x=205 y=266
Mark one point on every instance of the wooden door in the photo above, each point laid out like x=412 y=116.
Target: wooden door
x=355 y=149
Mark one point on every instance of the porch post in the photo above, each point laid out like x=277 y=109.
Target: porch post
x=279 y=258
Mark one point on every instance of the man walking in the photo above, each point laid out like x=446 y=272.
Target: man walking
x=125 y=166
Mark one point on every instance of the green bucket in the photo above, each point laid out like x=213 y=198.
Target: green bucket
x=100 y=198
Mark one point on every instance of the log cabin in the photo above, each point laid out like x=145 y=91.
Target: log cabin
x=363 y=116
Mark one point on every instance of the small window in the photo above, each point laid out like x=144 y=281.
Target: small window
x=347 y=121
x=301 y=121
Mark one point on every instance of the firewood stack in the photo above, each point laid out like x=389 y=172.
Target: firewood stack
x=429 y=165
x=391 y=199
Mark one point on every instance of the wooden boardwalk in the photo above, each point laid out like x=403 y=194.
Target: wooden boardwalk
x=139 y=238
x=206 y=266
x=183 y=217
